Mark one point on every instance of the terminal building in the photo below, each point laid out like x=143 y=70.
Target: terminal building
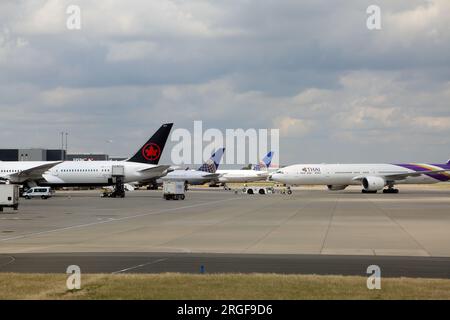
x=48 y=155
x=32 y=154
x=87 y=157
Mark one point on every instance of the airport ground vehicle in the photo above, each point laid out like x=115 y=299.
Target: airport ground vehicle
x=41 y=192
x=174 y=190
x=9 y=196
x=258 y=190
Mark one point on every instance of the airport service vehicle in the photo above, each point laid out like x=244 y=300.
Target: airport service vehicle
x=38 y=192
x=372 y=177
x=142 y=166
x=257 y=190
x=255 y=174
x=206 y=173
x=174 y=190
x=9 y=196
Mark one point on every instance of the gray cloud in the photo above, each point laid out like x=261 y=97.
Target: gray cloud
x=337 y=91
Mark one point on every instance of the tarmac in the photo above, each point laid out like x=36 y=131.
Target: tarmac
x=311 y=231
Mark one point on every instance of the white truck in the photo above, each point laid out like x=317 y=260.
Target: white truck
x=174 y=190
x=9 y=196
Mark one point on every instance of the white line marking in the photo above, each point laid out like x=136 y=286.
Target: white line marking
x=139 y=266
x=112 y=220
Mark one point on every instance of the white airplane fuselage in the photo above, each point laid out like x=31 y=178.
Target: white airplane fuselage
x=349 y=174
x=93 y=173
x=237 y=176
x=193 y=177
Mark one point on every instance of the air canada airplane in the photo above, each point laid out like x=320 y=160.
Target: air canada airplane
x=206 y=173
x=256 y=174
x=372 y=177
x=142 y=166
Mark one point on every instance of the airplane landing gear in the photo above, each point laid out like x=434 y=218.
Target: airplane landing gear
x=390 y=190
x=368 y=191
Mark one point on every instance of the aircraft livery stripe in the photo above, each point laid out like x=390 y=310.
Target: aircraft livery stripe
x=423 y=168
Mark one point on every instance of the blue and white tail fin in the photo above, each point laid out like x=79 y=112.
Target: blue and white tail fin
x=212 y=164
x=265 y=163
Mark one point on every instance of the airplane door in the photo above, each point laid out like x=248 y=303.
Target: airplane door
x=106 y=172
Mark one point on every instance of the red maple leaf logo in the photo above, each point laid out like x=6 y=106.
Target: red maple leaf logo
x=151 y=152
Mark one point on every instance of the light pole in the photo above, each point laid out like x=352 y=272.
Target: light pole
x=62 y=145
x=65 y=157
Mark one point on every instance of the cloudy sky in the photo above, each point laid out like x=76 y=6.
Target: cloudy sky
x=337 y=91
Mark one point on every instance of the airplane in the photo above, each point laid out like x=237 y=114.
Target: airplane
x=143 y=165
x=372 y=177
x=206 y=173
x=255 y=174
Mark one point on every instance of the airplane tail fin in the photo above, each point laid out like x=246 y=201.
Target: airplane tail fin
x=266 y=161
x=448 y=162
x=212 y=164
x=152 y=150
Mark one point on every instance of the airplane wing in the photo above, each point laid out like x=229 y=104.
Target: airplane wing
x=212 y=175
x=35 y=172
x=159 y=168
x=402 y=176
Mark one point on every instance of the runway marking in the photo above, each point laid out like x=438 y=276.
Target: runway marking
x=329 y=224
x=113 y=220
x=140 y=266
x=283 y=222
x=209 y=226
x=12 y=259
x=419 y=245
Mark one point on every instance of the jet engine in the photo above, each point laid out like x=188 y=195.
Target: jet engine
x=373 y=183
x=336 y=187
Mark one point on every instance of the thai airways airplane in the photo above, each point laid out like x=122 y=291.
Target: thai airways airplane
x=372 y=177
x=142 y=166
x=206 y=173
x=256 y=174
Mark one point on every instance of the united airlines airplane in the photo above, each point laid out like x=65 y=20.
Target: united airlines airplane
x=206 y=173
x=372 y=177
x=142 y=166
x=256 y=174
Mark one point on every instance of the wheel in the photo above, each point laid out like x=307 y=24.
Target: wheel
x=391 y=190
x=289 y=192
x=43 y=197
x=27 y=197
x=250 y=191
x=182 y=197
x=16 y=207
x=262 y=191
